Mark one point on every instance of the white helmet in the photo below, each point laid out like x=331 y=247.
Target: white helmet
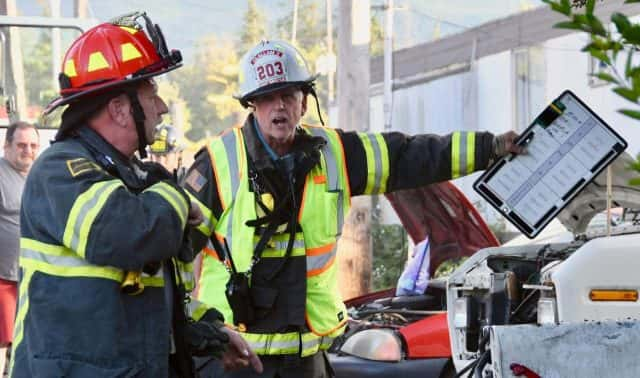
x=269 y=66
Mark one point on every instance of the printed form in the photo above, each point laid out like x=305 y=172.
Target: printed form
x=560 y=157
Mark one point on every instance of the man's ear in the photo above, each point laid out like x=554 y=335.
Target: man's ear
x=119 y=110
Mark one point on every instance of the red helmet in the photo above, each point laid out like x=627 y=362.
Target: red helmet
x=113 y=54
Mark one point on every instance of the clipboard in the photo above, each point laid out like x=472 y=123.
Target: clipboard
x=568 y=145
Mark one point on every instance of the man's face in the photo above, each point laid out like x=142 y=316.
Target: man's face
x=279 y=112
x=22 y=150
x=154 y=107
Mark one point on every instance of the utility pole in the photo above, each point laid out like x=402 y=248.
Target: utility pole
x=329 y=11
x=388 y=65
x=56 y=50
x=354 y=249
x=17 y=102
x=294 y=24
x=81 y=8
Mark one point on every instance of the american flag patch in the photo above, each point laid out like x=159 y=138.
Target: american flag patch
x=195 y=180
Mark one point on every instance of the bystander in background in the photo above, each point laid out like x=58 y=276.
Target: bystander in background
x=20 y=149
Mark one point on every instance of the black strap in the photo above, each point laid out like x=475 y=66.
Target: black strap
x=138 y=117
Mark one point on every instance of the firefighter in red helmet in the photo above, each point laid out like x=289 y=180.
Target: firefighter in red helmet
x=104 y=261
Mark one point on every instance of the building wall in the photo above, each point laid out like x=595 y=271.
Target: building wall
x=485 y=97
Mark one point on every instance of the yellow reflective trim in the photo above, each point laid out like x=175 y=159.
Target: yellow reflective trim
x=129 y=52
x=371 y=165
x=196 y=309
x=296 y=251
x=273 y=344
x=75 y=271
x=471 y=152
x=97 y=62
x=277 y=245
x=287 y=343
x=85 y=209
x=209 y=222
x=174 y=198
x=70 y=68
x=455 y=154
x=23 y=307
x=384 y=159
x=48 y=249
x=129 y=30
x=152 y=281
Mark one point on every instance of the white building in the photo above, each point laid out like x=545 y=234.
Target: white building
x=497 y=77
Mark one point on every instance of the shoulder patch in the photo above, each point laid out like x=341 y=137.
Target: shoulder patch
x=81 y=165
x=195 y=180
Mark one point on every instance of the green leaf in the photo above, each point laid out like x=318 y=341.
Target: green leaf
x=606 y=77
x=621 y=21
x=628 y=94
x=590 y=5
x=569 y=25
x=632 y=34
x=596 y=26
x=635 y=81
x=634 y=181
x=600 y=55
x=630 y=113
x=627 y=68
x=631 y=1
x=564 y=6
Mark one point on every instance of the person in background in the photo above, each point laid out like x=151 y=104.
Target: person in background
x=274 y=194
x=167 y=150
x=20 y=149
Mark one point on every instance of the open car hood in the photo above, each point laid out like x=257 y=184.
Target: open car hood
x=593 y=198
x=443 y=213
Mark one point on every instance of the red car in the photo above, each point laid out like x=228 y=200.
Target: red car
x=407 y=336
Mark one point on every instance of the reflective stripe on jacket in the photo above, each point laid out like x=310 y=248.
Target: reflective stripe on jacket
x=81 y=229
x=359 y=163
x=324 y=205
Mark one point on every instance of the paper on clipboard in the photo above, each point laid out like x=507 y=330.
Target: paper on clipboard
x=567 y=146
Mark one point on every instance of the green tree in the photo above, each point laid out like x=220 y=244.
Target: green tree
x=376 y=46
x=170 y=93
x=207 y=85
x=37 y=66
x=254 y=27
x=389 y=254
x=310 y=34
x=615 y=50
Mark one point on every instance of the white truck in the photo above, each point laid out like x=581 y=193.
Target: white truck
x=564 y=306
x=31 y=48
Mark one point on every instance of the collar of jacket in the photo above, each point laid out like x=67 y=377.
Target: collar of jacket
x=259 y=155
x=102 y=146
x=113 y=161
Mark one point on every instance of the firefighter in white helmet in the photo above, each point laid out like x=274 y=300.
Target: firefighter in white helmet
x=275 y=193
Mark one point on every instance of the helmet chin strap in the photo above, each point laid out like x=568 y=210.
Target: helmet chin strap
x=138 y=117
x=312 y=91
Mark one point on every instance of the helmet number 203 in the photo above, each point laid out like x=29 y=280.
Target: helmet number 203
x=269 y=70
